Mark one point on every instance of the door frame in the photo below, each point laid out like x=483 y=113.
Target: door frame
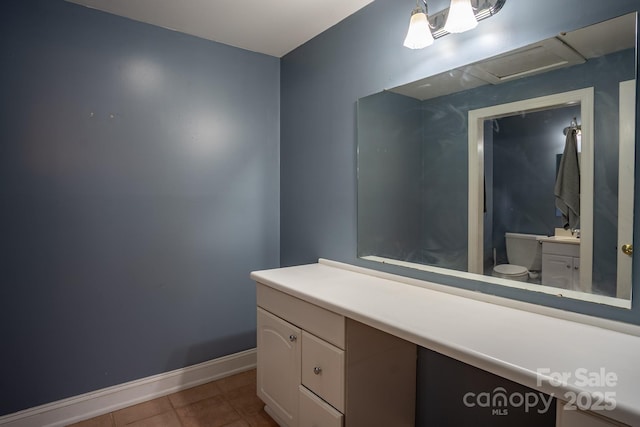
x=584 y=97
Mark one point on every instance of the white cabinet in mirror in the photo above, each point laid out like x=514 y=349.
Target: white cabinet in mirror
x=467 y=172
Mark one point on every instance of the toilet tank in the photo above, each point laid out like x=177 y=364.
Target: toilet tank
x=524 y=250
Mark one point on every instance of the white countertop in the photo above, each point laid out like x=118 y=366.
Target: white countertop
x=509 y=342
x=560 y=239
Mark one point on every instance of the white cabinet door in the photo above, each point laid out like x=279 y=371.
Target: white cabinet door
x=278 y=368
x=557 y=271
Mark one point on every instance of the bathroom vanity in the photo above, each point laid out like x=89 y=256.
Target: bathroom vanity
x=337 y=347
x=561 y=262
x=315 y=366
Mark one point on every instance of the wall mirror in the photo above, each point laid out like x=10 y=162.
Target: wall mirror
x=459 y=173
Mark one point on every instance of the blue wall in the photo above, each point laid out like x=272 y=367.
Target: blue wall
x=139 y=185
x=390 y=176
x=321 y=82
x=525 y=150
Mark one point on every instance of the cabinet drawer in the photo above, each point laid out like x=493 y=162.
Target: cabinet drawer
x=316 y=413
x=323 y=370
x=568 y=249
x=320 y=322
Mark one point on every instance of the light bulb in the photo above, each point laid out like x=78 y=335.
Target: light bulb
x=461 y=17
x=419 y=34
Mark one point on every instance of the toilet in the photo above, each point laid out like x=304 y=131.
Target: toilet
x=524 y=253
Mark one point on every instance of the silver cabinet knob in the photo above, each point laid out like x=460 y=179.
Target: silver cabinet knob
x=568 y=266
x=317 y=370
x=293 y=338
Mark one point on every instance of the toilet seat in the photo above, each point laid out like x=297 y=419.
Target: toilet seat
x=512 y=272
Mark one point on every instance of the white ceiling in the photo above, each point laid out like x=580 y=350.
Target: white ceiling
x=273 y=27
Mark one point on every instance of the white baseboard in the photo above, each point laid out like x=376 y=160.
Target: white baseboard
x=95 y=403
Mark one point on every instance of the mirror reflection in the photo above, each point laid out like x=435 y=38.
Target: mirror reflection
x=519 y=167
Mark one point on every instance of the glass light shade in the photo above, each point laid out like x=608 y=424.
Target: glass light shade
x=419 y=34
x=461 y=17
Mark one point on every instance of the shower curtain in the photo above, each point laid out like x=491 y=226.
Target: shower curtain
x=567 y=188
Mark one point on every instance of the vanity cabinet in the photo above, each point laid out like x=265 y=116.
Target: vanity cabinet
x=561 y=265
x=318 y=368
x=360 y=328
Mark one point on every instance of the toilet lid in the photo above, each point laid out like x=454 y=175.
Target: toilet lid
x=510 y=269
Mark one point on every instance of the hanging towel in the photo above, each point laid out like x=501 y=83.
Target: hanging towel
x=567 y=188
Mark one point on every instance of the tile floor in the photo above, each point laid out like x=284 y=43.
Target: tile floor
x=228 y=402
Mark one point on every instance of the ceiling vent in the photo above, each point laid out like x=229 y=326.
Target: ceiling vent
x=534 y=59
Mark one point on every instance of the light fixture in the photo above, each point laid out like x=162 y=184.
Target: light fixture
x=461 y=17
x=419 y=35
